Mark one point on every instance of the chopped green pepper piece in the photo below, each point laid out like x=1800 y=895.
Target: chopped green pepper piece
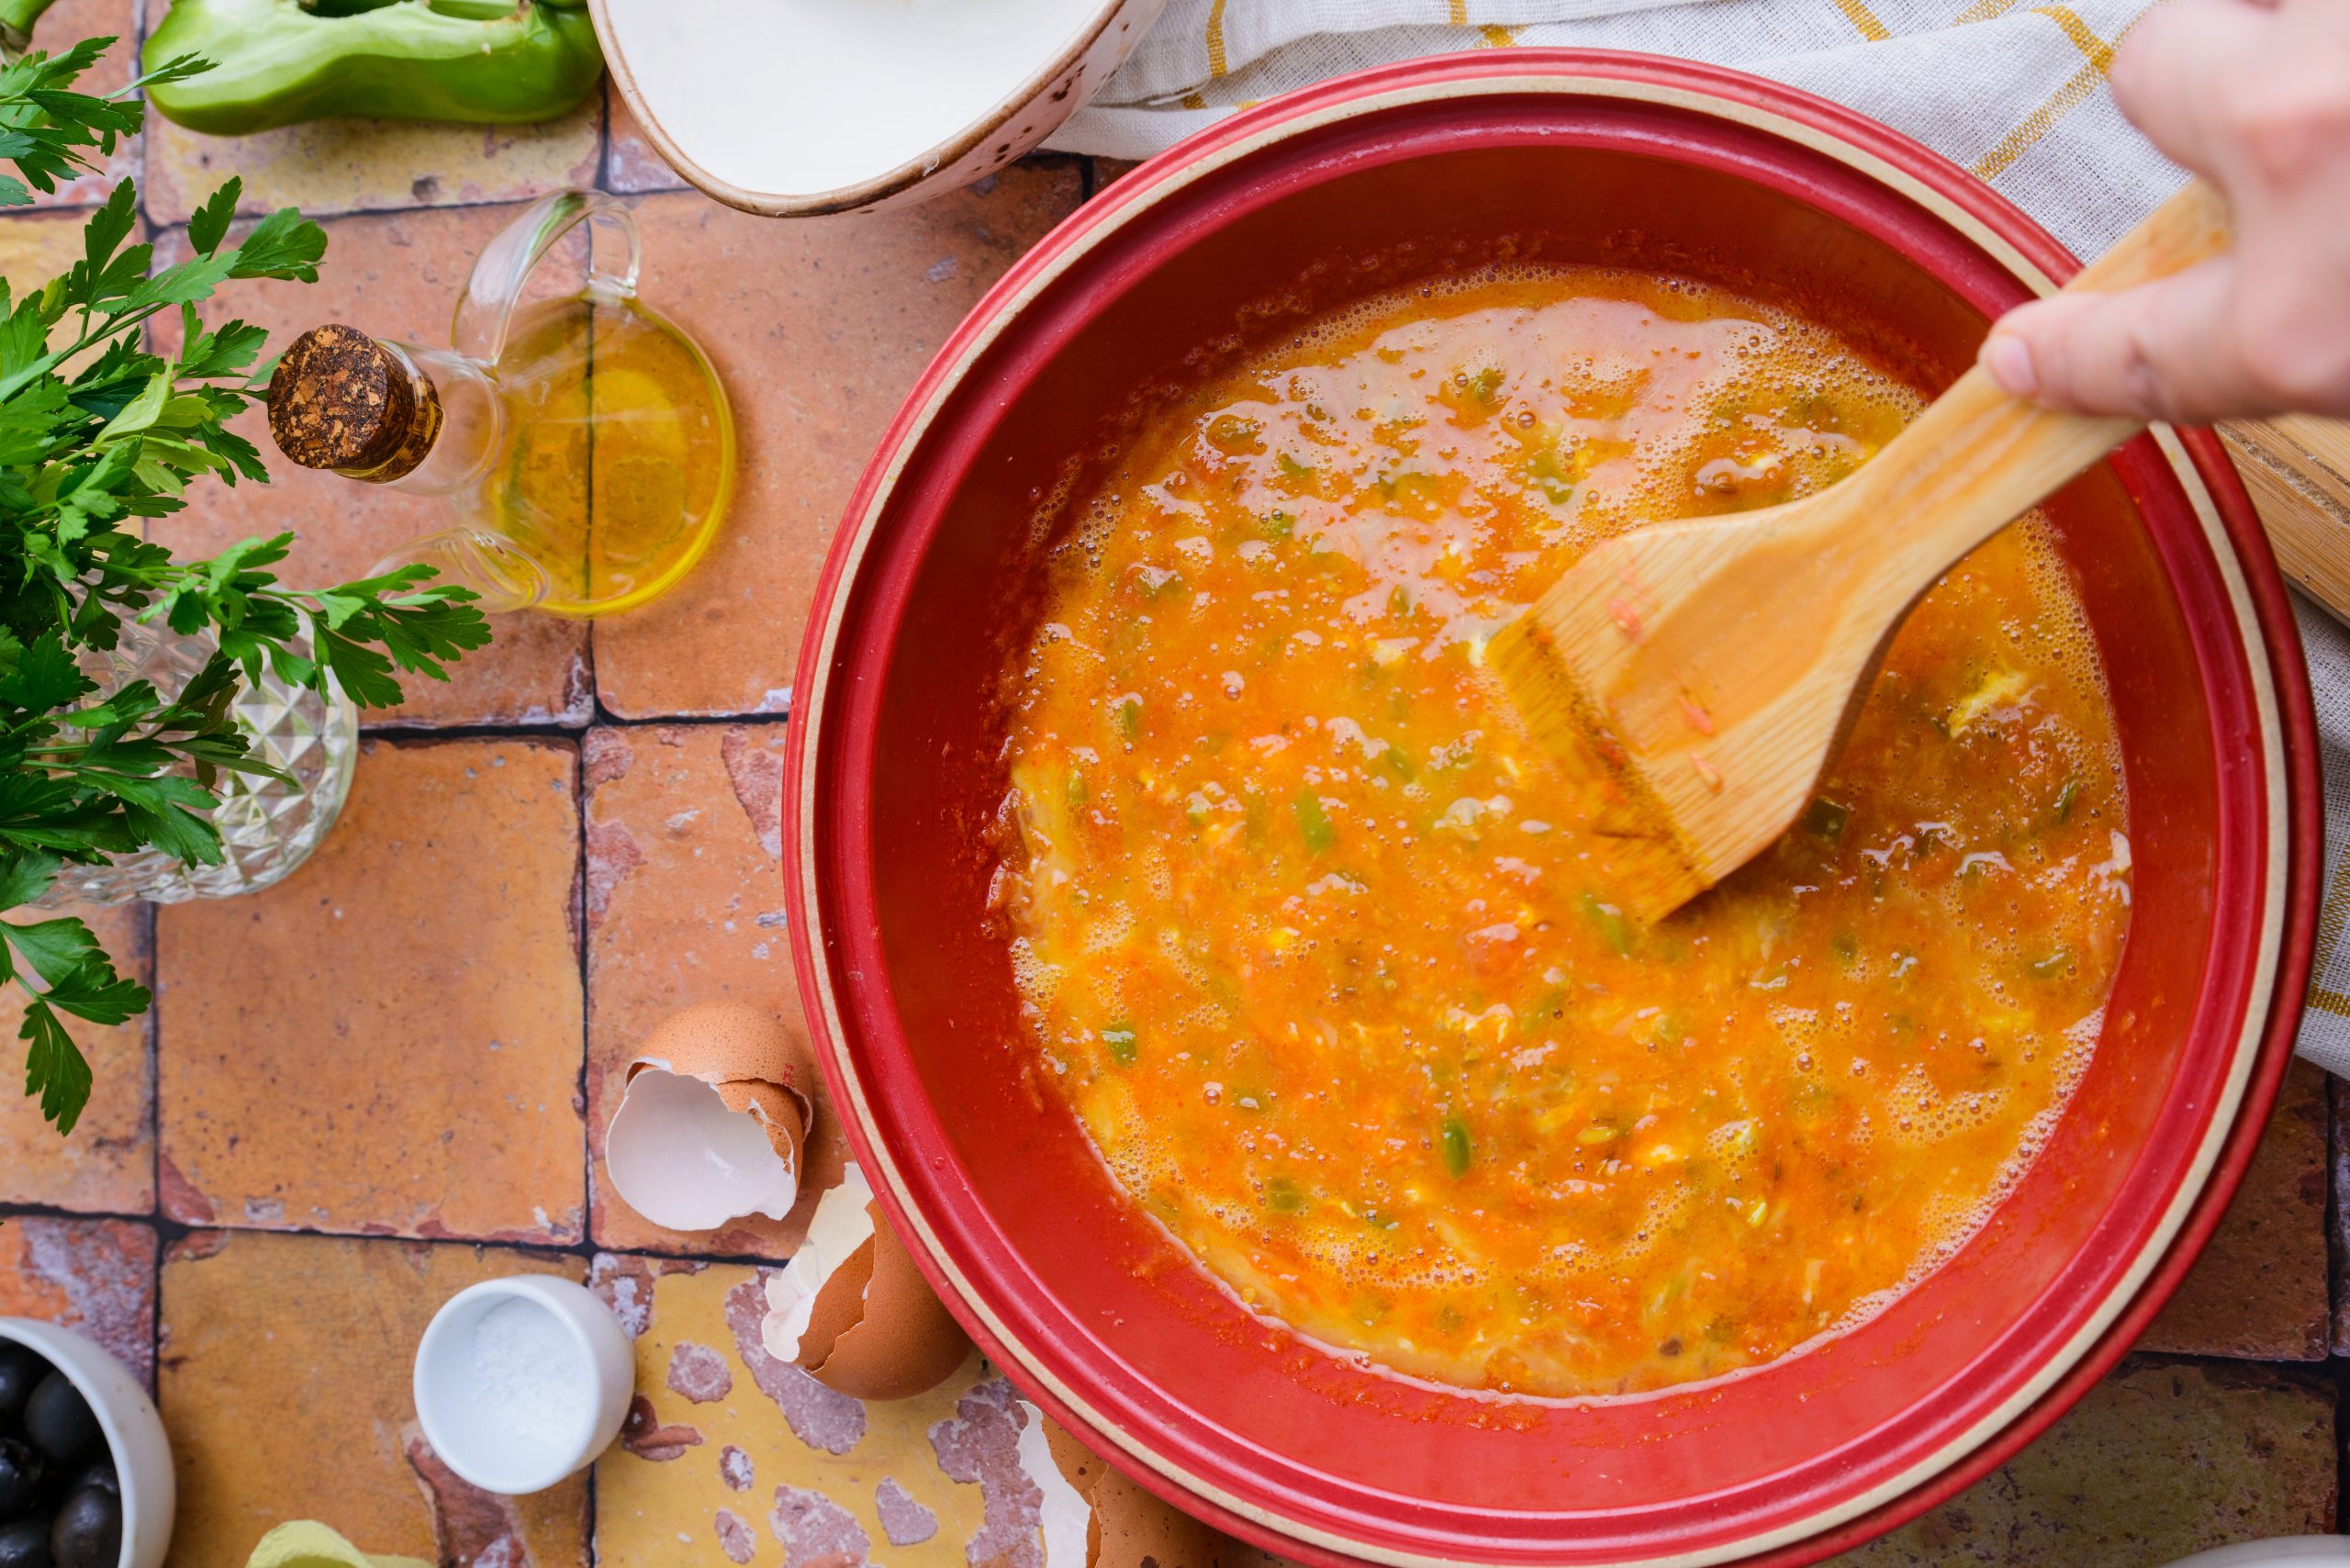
x=1282 y=1196
x=1278 y=525
x=2065 y=798
x=1314 y=822
x=2053 y=964
x=1825 y=818
x=276 y=63
x=1455 y=1143
x=1119 y=1037
x=1613 y=927
x=1129 y=711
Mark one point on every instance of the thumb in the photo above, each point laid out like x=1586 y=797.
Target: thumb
x=2163 y=351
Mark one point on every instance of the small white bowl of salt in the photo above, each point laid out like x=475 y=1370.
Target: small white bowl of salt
x=521 y=1382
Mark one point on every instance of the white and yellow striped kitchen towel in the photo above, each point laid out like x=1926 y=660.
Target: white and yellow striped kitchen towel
x=2325 y=1021
x=2015 y=92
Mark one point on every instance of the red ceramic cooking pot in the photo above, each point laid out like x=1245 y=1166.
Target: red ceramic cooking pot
x=1274 y=217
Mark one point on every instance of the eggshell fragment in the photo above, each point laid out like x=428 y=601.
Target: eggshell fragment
x=714 y=1119
x=1126 y=1526
x=852 y=1309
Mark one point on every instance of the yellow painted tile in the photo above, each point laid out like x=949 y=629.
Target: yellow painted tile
x=730 y=1446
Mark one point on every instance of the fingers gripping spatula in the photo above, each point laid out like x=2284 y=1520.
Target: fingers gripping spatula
x=1716 y=663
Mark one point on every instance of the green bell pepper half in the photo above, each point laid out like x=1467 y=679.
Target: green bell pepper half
x=280 y=61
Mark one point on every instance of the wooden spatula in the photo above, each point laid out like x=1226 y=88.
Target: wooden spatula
x=1716 y=663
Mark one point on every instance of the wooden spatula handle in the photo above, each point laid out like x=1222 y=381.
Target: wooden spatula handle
x=1977 y=458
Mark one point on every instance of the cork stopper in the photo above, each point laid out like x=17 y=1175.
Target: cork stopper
x=341 y=400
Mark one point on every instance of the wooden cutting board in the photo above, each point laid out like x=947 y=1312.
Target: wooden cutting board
x=2297 y=469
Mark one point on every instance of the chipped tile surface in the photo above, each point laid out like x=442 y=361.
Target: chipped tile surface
x=2158 y=1461
x=734 y=1455
x=107 y=1165
x=819 y=327
x=285 y=1388
x=2260 y=1289
x=389 y=1041
x=96 y=1276
x=332 y=166
x=397 y=275
x=685 y=904
x=632 y=162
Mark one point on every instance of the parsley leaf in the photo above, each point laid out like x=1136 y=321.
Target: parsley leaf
x=98 y=432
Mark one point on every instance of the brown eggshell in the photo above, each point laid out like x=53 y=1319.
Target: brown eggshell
x=903 y=1342
x=839 y=1304
x=1079 y=1465
x=723 y=1041
x=756 y=1062
x=1130 y=1528
x=782 y=1115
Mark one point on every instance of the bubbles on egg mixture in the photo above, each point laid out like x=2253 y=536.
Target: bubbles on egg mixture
x=1629 y=437
x=1036 y=981
x=2058 y=639
x=1112 y=926
x=1948 y=1225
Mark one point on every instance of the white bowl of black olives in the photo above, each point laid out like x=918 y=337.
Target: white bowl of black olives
x=85 y=1473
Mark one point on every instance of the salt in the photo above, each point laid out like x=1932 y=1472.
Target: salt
x=530 y=1380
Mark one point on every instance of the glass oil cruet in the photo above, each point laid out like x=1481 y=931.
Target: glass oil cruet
x=584 y=442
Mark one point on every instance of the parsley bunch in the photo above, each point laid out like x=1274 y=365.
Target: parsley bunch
x=98 y=432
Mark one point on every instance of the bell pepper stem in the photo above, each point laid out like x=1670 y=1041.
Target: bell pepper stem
x=17 y=20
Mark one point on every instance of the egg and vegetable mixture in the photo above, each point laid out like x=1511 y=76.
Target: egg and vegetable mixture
x=1323 y=948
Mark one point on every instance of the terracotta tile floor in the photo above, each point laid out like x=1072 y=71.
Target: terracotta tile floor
x=384 y=1079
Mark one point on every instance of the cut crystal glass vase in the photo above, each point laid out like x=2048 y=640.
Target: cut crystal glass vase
x=266 y=827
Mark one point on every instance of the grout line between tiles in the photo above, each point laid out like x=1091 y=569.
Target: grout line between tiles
x=589 y=1503
x=170 y=1230
x=602 y=719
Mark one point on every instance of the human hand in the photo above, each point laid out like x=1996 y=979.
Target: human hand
x=2254 y=95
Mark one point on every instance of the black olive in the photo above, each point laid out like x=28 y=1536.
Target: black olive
x=89 y=1531
x=25 y=1544
x=20 y=1473
x=19 y=1370
x=59 y=1422
x=100 y=1475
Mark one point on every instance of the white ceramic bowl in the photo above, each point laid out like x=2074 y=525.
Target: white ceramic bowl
x=793 y=107
x=2286 y=1551
x=134 y=1433
x=454 y=1401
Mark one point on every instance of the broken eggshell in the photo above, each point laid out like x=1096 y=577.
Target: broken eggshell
x=714 y=1119
x=1093 y=1517
x=852 y=1310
